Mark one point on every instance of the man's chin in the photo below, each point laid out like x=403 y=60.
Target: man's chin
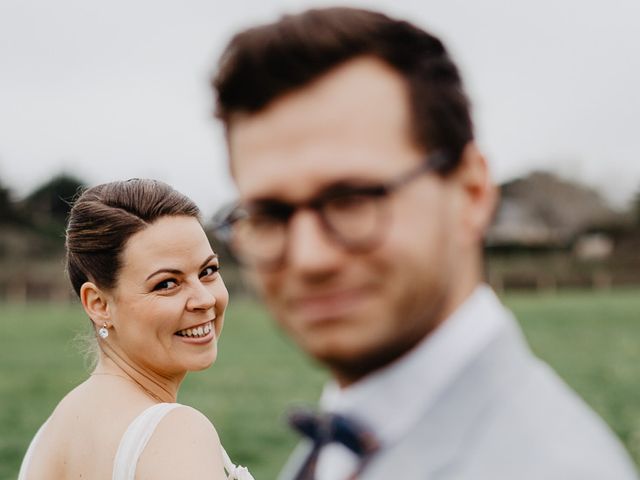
x=351 y=361
x=347 y=363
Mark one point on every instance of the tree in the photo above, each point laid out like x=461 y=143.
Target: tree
x=7 y=212
x=635 y=207
x=48 y=205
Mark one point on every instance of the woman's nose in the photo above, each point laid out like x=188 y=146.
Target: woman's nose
x=201 y=298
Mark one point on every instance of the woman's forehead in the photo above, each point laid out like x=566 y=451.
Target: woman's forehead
x=170 y=242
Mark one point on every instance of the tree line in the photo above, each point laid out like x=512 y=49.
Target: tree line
x=43 y=211
x=32 y=240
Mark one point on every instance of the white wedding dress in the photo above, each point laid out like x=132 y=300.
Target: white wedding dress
x=133 y=442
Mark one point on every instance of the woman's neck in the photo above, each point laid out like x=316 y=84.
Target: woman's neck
x=158 y=387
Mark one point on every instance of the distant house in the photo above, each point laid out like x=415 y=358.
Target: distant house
x=550 y=233
x=542 y=210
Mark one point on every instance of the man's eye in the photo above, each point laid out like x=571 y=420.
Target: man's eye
x=345 y=202
x=270 y=212
x=210 y=271
x=264 y=223
x=166 y=284
x=353 y=205
x=352 y=198
x=263 y=219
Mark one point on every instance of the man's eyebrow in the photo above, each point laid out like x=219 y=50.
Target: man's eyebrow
x=349 y=184
x=338 y=186
x=175 y=271
x=260 y=201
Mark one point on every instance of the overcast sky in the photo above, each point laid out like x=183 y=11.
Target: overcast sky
x=117 y=89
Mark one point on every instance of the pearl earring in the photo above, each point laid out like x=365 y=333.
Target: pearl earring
x=103 y=332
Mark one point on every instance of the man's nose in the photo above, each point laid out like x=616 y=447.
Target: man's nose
x=310 y=249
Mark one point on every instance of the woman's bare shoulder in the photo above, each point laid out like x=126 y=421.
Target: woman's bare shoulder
x=184 y=445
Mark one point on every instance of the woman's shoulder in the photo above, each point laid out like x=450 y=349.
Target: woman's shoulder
x=183 y=418
x=187 y=434
x=181 y=424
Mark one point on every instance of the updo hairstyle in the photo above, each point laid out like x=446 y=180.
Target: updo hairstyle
x=104 y=217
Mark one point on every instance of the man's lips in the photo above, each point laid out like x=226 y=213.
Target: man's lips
x=330 y=305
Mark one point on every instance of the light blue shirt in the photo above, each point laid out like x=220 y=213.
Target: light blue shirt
x=436 y=360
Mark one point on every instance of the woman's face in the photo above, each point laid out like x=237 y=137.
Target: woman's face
x=167 y=308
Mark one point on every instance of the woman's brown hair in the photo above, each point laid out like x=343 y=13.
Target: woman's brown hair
x=104 y=217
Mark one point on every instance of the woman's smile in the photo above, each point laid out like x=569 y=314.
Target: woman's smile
x=199 y=334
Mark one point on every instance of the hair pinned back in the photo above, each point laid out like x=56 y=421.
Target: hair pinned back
x=104 y=217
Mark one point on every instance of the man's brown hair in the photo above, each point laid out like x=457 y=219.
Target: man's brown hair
x=266 y=62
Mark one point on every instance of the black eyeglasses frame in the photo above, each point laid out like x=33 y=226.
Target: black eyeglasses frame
x=226 y=217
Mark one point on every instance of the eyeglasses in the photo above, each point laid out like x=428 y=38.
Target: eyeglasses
x=353 y=216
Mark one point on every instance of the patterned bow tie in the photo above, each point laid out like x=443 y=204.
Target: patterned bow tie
x=325 y=428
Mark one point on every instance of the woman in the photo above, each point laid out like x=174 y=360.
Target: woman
x=146 y=275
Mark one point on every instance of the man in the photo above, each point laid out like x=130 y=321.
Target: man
x=363 y=204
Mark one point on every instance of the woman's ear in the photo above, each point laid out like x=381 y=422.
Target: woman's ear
x=96 y=304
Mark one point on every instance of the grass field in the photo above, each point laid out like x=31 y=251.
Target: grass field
x=591 y=339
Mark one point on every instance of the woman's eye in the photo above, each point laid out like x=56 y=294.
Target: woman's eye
x=209 y=271
x=166 y=285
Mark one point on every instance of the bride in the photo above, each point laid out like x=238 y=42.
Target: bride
x=146 y=275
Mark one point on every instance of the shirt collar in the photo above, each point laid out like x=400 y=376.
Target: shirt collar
x=432 y=365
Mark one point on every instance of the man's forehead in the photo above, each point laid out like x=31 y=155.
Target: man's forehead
x=280 y=180
x=351 y=123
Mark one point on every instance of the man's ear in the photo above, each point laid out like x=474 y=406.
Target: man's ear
x=96 y=304
x=479 y=193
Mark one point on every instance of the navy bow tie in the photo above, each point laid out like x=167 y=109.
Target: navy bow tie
x=325 y=428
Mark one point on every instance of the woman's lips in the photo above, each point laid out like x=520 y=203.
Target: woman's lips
x=198 y=334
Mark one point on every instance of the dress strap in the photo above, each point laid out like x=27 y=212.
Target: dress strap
x=136 y=438
x=234 y=472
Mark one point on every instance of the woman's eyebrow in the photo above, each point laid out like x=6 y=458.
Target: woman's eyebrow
x=175 y=271
x=209 y=258
x=165 y=270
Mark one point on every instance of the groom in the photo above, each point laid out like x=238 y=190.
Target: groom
x=363 y=205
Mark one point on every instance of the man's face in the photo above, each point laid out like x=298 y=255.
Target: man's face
x=353 y=311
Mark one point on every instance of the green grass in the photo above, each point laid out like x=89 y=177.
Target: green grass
x=245 y=393
x=591 y=339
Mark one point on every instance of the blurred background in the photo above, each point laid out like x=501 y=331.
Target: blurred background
x=98 y=91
